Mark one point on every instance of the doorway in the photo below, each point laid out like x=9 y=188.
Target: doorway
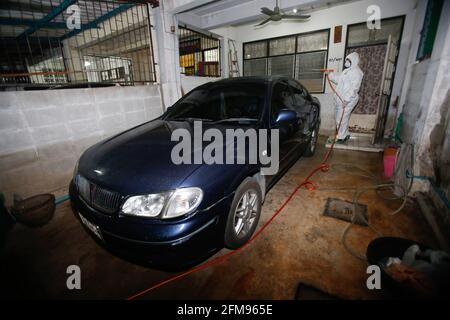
x=378 y=51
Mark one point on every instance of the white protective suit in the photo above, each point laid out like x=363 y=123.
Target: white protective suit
x=347 y=83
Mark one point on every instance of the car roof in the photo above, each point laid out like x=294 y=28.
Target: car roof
x=254 y=79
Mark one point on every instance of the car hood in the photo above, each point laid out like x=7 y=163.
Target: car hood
x=138 y=161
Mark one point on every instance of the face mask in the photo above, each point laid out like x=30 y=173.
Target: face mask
x=348 y=63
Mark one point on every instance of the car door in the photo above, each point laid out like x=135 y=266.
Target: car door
x=282 y=99
x=306 y=111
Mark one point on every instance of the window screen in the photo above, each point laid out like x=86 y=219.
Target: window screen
x=256 y=67
x=307 y=70
x=360 y=35
x=281 y=66
x=300 y=56
x=312 y=41
x=255 y=50
x=282 y=46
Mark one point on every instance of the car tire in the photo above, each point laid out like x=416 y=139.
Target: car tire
x=243 y=217
x=311 y=148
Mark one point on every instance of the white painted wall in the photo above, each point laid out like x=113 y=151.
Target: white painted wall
x=348 y=13
x=188 y=83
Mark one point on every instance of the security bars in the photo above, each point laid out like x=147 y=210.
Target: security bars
x=300 y=56
x=44 y=47
x=199 y=53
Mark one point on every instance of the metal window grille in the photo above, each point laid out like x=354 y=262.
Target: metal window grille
x=44 y=46
x=359 y=35
x=199 y=53
x=300 y=56
x=255 y=67
x=281 y=65
x=307 y=70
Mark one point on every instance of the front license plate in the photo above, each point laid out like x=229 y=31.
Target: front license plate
x=92 y=227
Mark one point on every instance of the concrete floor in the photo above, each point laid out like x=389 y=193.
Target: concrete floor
x=300 y=246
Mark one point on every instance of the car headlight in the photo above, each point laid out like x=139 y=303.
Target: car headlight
x=144 y=206
x=166 y=205
x=183 y=201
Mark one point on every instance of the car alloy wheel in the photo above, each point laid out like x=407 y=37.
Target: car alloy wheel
x=312 y=143
x=245 y=213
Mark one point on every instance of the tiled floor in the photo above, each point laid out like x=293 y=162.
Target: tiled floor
x=358 y=142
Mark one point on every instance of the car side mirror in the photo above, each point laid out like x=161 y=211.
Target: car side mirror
x=285 y=116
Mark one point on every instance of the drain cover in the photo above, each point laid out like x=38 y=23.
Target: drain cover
x=343 y=210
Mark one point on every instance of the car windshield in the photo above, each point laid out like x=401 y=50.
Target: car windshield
x=221 y=103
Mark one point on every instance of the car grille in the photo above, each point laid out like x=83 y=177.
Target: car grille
x=97 y=197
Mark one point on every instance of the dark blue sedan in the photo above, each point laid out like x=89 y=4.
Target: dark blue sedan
x=135 y=201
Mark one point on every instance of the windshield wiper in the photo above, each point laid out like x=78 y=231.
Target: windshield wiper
x=238 y=120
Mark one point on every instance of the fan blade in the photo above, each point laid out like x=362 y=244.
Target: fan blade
x=290 y=16
x=267 y=11
x=263 y=23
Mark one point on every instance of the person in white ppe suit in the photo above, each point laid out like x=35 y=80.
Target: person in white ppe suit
x=347 y=84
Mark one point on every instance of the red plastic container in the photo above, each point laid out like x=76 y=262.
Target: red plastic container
x=389 y=158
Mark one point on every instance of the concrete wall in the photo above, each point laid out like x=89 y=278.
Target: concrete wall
x=427 y=99
x=345 y=14
x=42 y=133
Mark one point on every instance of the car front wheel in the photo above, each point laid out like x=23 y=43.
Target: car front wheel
x=244 y=214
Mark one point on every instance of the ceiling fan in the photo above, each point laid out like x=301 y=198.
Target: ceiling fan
x=277 y=15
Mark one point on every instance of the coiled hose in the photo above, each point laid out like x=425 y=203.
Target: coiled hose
x=377 y=186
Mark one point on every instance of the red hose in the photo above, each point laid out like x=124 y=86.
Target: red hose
x=307 y=183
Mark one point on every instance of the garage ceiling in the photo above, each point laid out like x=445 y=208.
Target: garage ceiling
x=218 y=6
x=210 y=14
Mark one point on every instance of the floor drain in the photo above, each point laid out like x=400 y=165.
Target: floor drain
x=343 y=210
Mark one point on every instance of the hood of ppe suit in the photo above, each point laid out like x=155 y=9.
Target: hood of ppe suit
x=354 y=59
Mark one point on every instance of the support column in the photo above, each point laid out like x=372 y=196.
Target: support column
x=167 y=58
x=73 y=61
